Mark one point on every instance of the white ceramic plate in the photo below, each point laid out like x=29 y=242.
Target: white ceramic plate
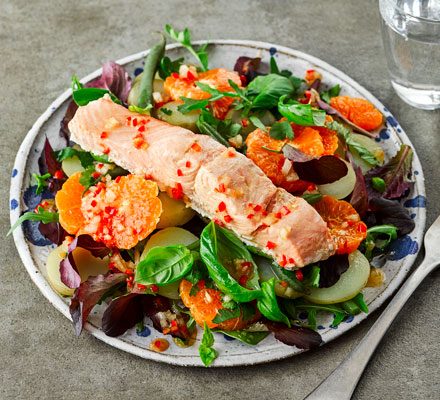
x=33 y=249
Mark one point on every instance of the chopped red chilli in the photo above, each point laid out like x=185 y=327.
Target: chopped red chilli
x=270 y=245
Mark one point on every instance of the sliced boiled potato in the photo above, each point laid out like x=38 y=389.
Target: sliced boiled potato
x=342 y=187
x=136 y=85
x=174 y=117
x=266 y=117
x=71 y=166
x=169 y=237
x=87 y=266
x=372 y=146
x=174 y=212
x=349 y=284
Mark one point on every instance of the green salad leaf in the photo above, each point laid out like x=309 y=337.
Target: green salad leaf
x=83 y=96
x=40 y=215
x=346 y=135
x=86 y=158
x=220 y=250
x=164 y=265
x=332 y=92
x=268 y=304
x=167 y=66
x=264 y=91
x=379 y=236
x=281 y=130
x=206 y=351
x=248 y=337
x=41 y=181
x=301 y=114
x=184 y=38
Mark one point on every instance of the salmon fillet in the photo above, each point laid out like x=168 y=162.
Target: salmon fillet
x=216 y=181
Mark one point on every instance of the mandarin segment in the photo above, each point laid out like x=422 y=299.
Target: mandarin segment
x=176 y=87
x=122 y=212
x=359 y=111
x=204 y=305
x=346 y=228
x=68 y=203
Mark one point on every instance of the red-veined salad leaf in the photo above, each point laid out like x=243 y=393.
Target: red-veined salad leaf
x=396 y=174
x=68 y=270
x=301 y=337
x=390 y=212
x=326 y=169
x=295 y=155
x=248 y=67
x=48 y=162
x=90 y=293
x=332 y=269
x=53 y=231
x=113 y=78
x=359 y=196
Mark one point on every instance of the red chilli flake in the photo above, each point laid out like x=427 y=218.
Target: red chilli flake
x=227 y=218
x=196 y=147
x=117 y=179
x=104 y=135
x=201 y=284
x=177 y=192
x=285 y=210
x=278 y=215
x=243 y=80
x=244 y=122
x=190 y=76
x=299 y=275
x=188 y=164
x=231 y=153
x=135 y=121
x=218 y=222
x=93 y=203
x=284 y=284
x=141 y=287
x=222 y=206
x=243 y=280
x=221 y=188
x=141 y=128
x=179 y=172
x=257 y=208
x=96 y=175
x=250 y=216
x=106 y=150
x=291 y=260
x=59 y=174
x=175 y=75
x=270 y=245
x=362 y=227
x=154 y=288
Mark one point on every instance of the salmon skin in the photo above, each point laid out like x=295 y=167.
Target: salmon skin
x=216 y=181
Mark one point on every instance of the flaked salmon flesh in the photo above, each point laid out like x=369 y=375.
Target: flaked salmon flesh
x=218 y=182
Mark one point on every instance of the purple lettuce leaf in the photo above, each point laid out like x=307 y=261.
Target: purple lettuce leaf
x=396 y=173
x=385 y=211
x=64 y=125
x=47 y=161
x=359 y=196
x=89 y=293
x=332 y=111
x=330 y=270
x=53 y=231
x=114 y=78
x=323 y=170
x=296 y=155
x=68 y=269
x=247 y=67
x=301 y=337
x=316 y=84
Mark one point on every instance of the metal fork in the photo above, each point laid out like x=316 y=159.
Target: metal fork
x=341 y=383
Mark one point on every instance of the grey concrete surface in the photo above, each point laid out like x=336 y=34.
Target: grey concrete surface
x=41 y=44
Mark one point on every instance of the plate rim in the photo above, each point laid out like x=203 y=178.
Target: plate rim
x=226 y=360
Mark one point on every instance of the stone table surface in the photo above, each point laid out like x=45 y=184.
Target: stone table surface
x=41 y=44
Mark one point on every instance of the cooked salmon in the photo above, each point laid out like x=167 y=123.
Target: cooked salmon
x=216 y=181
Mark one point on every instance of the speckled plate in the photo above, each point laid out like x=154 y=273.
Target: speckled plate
x=33 y=248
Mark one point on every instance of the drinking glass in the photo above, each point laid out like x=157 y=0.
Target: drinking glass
x=411 y=38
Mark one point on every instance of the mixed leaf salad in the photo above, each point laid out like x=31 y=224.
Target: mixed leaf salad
x=185 y=271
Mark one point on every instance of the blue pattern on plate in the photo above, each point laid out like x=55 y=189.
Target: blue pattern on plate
x=413 y=215
x=228 y=338
x=416 y=172
x=418 y=201
x=383 y=135
x=320 y=327
x=138 y=71
x=32 y=199
x=402 y=247
x=145 y=332
x=31 y=232
x=14 y=173
x=14 y=204
x=392 y=121
x=272 y=51
x=349 y=319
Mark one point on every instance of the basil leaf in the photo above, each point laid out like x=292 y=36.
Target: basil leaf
x=281 y=130
x=332 y=92
x=164 y=265
x=225 y=314
x=167 y=67
x=301 y=114
x=87 y=178
x=264 y=91
x=268 y=304
x=375 y=238
x=207 y=353
x=86 y=159
x=345 y=134
x=312 y=198
x=271 y=270
x=41 y=215
x=219 y=250
x=84 y=96
x=215 y=93
x=248 y=337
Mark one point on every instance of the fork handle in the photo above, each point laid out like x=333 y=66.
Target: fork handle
x=341 y=383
